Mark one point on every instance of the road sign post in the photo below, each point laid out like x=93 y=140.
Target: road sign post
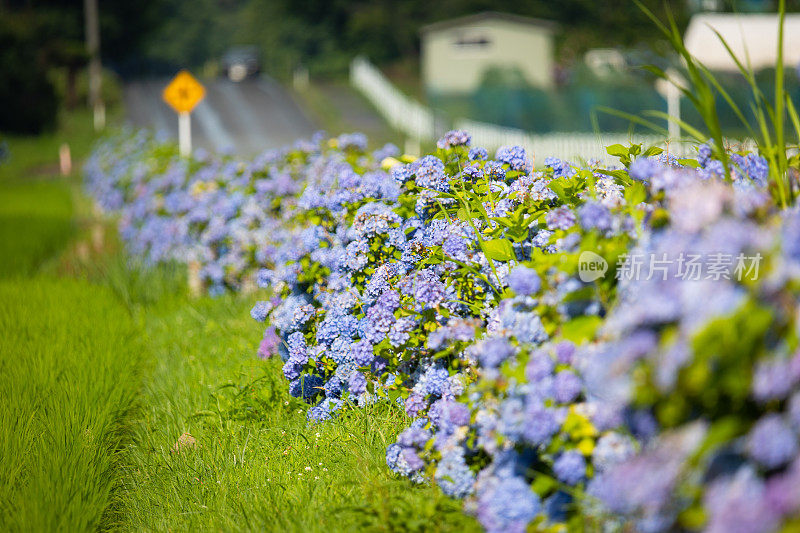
x=185 y=133
x=183 y=93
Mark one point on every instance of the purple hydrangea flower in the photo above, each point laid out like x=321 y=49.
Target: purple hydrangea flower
x=454 y=138
x=414 y=437
x=771 y=442
x=514 y=157
x=560 y=218
x=524 y=281
x=453 y=475
x=493 y=352
x=567 y=386
x=570 y=467
x=540 y=365
x=414 y=404
x=413 y=460
x=507 y=505
x=357 y=384
x=260 y=311
x=643 y=168
x=565 y=352
x=269 y=344
x=477 y=154
x=774 y=379
x=595 y=215
x=362 y=353
x=737 y=503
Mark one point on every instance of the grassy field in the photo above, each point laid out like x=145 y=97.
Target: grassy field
x=104 y=365
x=256 y=463
x=35 y=156
x=68 y=379
x=65 y=344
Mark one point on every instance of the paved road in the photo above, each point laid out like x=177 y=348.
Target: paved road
x=248 y=117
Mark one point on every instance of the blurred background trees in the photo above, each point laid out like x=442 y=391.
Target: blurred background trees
x=43 y=55
x=43 y=52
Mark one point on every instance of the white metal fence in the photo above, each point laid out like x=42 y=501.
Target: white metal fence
x=401 y=112
x=564 y=145
x=420 y=124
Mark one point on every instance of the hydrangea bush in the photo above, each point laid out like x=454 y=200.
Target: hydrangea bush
x=549 y=380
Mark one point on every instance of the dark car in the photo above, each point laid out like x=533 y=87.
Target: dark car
x=241 y=63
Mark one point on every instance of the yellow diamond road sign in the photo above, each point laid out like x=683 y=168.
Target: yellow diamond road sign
x=184 y=92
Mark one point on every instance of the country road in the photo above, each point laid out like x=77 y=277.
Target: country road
x=247 y=117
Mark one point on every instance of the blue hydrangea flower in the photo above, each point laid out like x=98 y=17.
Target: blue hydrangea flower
x=772 y=442
x=594 y=215
x=567 y=386
x=493 y=352
x=357 y=383
x=514 y=157
x=430 y=174
x=560 y=218
x=362 y=354
x=494 y=170
x=508 y=505
x=306 y=386
x=453 y=475
x=400 y=331
x=454 y=138
x=524 y=281
x=260 y=311
x=643 y=168
x=413 y=437
x=477 y=154
x=473 y=171
x=560 y=167
x=540 y=423
x=570 y=467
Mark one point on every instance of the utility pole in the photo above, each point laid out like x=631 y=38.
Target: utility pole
x=95 y=68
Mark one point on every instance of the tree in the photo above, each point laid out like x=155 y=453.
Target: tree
x=28 y=97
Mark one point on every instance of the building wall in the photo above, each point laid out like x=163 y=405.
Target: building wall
x=454 y=59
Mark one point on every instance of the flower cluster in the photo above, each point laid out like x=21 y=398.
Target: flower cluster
x=453 y=287
x=224 y=215
x=706 y=372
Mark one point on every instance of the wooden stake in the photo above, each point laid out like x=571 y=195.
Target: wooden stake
x=65 y=160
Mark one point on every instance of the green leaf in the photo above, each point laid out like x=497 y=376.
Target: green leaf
x=499 y=250
x=617 y=150
x=635 y=194
x=653 y=150
x=580 y=329
x=543 y=484
x=720 y=433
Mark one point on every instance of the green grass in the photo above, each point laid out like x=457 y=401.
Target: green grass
x=69 y=354
x=327 y=112
x=36 y=155
x=257 y=464
x=36 y=221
